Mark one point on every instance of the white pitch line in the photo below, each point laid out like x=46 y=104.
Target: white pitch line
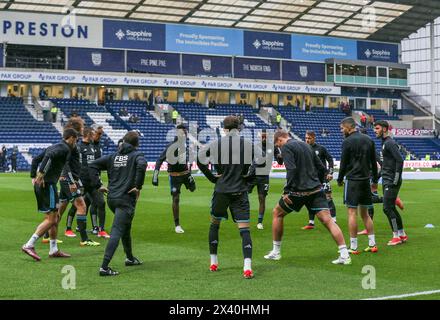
x=422 y=293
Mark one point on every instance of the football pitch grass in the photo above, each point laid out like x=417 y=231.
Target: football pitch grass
x=176 y=265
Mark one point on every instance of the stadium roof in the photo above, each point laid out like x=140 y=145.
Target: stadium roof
x=385 y=20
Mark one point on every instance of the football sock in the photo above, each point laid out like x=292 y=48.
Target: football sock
x=81 y=221
x=276 y=246
x=247 y=264
x=343 y=252
x=94 y=217
x=70 y=218
x=260 y=217
x=214 y=259
x=53 y=246
x=311 y=218
x=246 y=242
x=32 y=241
x=353 y=243
x=312 y=222
x=46 y=235
x=401 y=233
x=371 y=240
x=398 y=220
x=213 y=238
x=395 y=234
x=177 y=222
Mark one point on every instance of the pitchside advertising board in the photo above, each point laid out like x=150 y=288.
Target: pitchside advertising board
x=96 y=60
x=198 y=65
x=153 y=62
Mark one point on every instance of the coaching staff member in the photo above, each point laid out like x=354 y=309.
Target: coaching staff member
x=358 y=164
x=126 y=173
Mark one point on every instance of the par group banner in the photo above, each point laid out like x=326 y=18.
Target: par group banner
x=99 y=78
x=153 y=62
x=96 y=60
x=267 y=44
x=257 y=68
x=196 y=39
x=133 y=35
x=197 y=65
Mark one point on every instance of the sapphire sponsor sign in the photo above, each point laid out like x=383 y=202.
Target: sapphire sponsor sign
x=267 y=44
x=133 y=35
x=314 y=48
x=221 y=41
x=377 y=51
x=153 y=62
x=96 y=60
x=303 y=71
x=257 y=68
x=44 y=29
x=196 y=65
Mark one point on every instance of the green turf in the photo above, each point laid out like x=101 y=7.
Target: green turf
x=176 y=265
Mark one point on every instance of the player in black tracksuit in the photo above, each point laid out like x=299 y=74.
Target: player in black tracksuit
x=392 y=167
x=126 y=173
x=92 y=196
x=262 y=181
x=176 y=154
x=305 y=175
x=232 y=155
x=358 y=166
x=51 y=162
x=327 y=161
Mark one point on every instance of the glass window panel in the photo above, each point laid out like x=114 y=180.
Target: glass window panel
x=372 y=72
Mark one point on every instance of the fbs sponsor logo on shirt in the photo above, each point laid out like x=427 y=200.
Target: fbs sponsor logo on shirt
x=120 y=161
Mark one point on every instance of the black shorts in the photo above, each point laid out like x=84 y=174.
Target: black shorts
x=357 y=193
x=177 y=181
x=315 y=202
x=262 y=183
x=65 y=194
x=238 y=204
x=47 y=197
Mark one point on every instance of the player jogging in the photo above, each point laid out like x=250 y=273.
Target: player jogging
x=179 y=171
x=45 y=188
x=358 y=165
x=126 y=173
x=305 y=174
x=327 y=161
x=392 y=167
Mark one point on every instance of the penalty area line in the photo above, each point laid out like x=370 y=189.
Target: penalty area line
x=415 y=294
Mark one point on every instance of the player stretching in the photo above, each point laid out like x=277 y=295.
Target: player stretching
x=232 y=155
x=178 y=170
x=358 y=165
x=305 y=174
x=126 y=173
x=392 y=167
x=327 y=161
x=45 y=188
